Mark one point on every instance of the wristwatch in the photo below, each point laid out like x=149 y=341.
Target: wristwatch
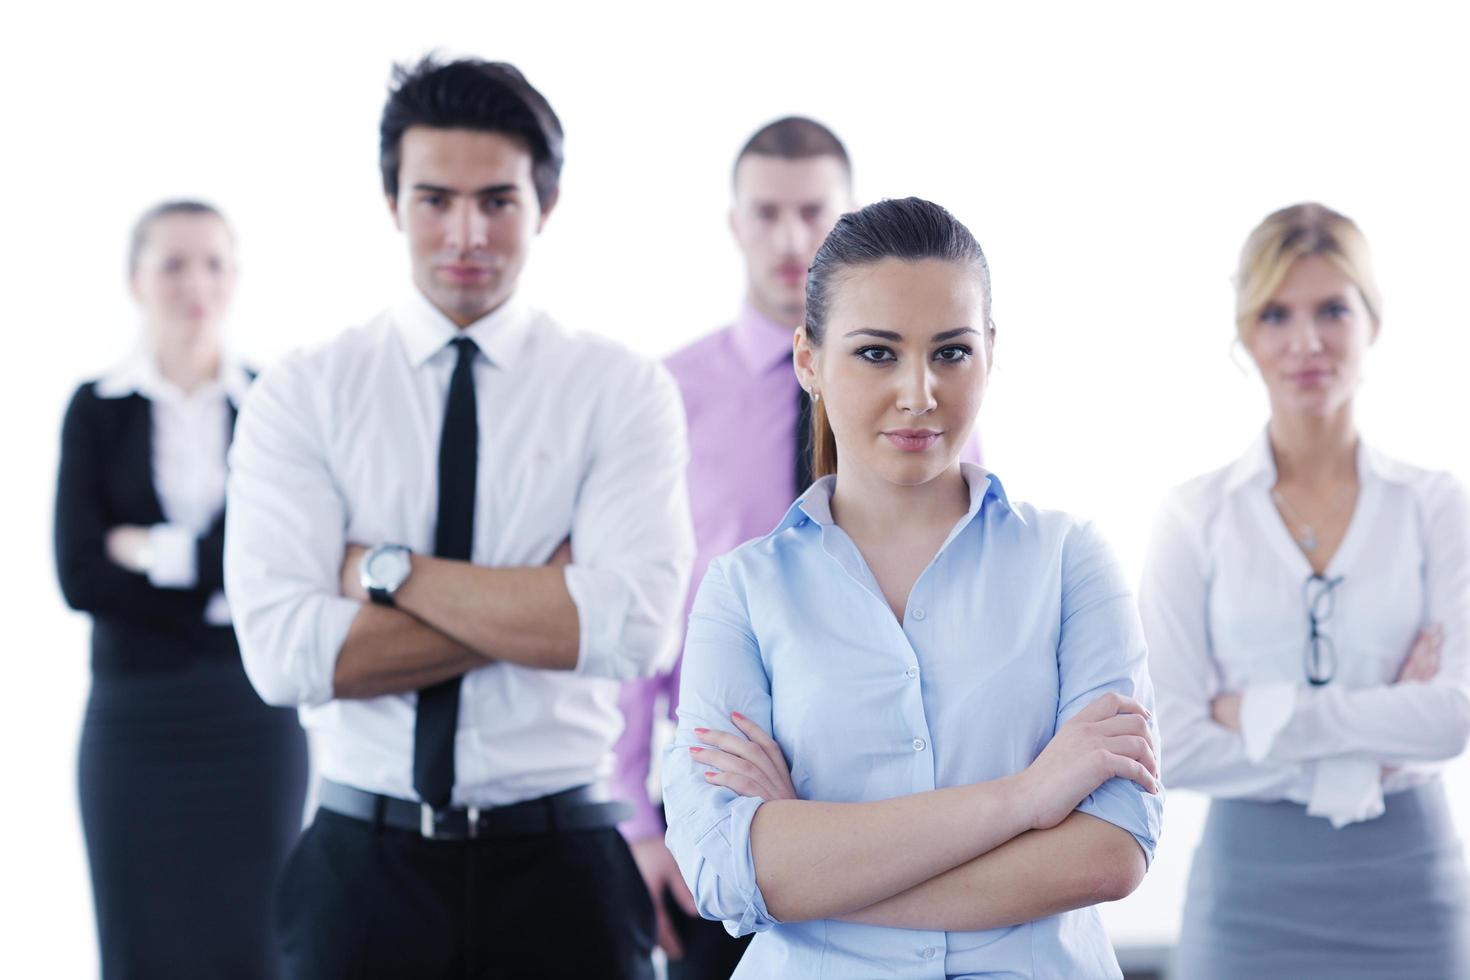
x=383 y=570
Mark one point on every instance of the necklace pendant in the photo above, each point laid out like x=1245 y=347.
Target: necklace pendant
x=1307 y=538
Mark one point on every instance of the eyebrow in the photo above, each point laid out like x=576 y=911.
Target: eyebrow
x=481 y=192
x=892 y=335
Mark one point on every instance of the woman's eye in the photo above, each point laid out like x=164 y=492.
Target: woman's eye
x=1335 y=311
x=953 y=354
x=875 y=355
x=1275 y=315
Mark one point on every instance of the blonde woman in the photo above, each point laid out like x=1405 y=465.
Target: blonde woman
x=1307 y=609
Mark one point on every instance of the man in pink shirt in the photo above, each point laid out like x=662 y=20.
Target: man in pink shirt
x=749 y=459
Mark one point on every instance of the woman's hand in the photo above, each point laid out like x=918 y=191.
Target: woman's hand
x=1225 y=710
x=127 y=546
x=751 y=766
x=1107 y=738
x=1422 y=662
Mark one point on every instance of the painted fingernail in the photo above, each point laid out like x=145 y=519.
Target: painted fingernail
x=710 y=775
x=737 y=715
x=701 y=731
x=695 y=748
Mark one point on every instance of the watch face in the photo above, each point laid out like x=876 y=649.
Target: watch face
x=387 y=568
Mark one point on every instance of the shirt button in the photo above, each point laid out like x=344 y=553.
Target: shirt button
x=927 y=952
x=918 y=613
x=919 y=744
x=911 y=673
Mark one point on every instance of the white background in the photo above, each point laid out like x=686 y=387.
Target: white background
x=1110 y=157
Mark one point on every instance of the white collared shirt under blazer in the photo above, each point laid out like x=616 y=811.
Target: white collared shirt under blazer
x=190 y=437
x=1224 y=610
x=340 y=444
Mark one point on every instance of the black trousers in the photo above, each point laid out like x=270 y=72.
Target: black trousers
x=358 y=900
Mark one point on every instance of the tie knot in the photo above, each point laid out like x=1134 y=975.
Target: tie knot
x=465 y=346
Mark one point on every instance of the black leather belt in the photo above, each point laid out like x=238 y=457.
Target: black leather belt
x=582 y=808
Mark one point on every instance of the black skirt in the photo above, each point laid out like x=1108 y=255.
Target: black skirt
x=191 y=792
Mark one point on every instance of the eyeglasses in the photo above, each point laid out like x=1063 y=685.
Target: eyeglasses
x=1320 y=656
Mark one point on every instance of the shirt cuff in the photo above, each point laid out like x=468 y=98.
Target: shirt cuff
x=1264 y=711
x=645 y=823
x=1346 y=789
x=718 y=850
x=173 y=557
x=602 y=600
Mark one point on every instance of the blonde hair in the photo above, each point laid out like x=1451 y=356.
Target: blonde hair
x=1291 y=234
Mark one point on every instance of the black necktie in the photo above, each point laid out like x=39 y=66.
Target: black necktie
x=803 y=440
x=438 y=711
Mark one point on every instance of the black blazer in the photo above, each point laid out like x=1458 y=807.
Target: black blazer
x=106 y=479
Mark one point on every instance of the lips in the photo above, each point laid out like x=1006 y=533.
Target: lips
x=464 y=273
x=912 y=440
x=790 y=273
x=1310 y=378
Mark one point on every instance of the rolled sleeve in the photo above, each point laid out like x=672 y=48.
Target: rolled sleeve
x=709 y=826
x=284 y=542
x=632 y=536
x=1102 y=650
x=1265 y=710
x=173 y=557
x=1346 y=789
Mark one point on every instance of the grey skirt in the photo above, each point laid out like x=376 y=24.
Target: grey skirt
x=1276 y=893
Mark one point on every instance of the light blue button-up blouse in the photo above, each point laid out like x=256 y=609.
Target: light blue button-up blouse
x=1022 y=619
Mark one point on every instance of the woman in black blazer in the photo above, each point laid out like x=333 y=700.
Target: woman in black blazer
x=191 y=787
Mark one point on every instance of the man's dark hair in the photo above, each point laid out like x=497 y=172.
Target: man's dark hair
x=139 y=238
x=489 y=96
x=795 y=138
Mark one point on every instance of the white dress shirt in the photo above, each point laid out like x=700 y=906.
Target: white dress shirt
x=1224 y=610
x=190 y=437
x=340 y=444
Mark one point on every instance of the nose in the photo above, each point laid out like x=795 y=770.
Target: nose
x=469 y=226
x=1305 y=338
x=916 y=389
x=791 y=234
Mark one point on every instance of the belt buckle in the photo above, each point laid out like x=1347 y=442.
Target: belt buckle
x=428 y=824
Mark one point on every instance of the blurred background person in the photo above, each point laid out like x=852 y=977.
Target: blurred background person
x=191 y=787
x=1307 y=609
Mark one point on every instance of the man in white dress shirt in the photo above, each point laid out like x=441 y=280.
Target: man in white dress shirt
x=451 y=531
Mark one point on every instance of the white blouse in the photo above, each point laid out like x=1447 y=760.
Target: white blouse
x=191 y=436
x=1224 y=609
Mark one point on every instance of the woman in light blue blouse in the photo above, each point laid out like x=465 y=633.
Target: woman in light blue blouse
x=960 y=755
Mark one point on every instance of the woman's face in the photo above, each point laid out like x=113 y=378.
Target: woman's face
x=903 y=366
x=185 y=277
x=1308 y=341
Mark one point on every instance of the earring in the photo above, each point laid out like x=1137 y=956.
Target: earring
x=816 y=397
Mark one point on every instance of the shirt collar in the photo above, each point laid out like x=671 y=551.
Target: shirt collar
x=500 y=334
x=1258 y=465
x=816 y=504
x=761 y=342
x=138 y=374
